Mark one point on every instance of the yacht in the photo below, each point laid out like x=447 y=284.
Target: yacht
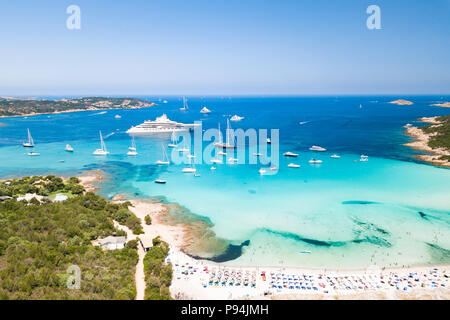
x=174 y=140
x=118 y=117
x=258 y=154
x=213 y=168
x=315 y=161
x=293 y=165
x=160 y=181
x=30 y=143
x=408 y=125
x=290 y=154
x=185 y=105
x=205 y=110
x=364 y=158
x=221 y=153
x=102 y=151
x=317 y=148
x=132 y=150
x=165 y=158
x=335 y=156
x=161 y=125
x=236 y=118
x=190 y=169
x=229 y=144
x=68 y=148
x=273 y=168
x=233 y=160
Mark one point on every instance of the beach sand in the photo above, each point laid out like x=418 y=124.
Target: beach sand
x=192 y=278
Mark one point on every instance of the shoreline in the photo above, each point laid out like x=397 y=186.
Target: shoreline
x=190 y=276
x=421 y=143
x=75 y=110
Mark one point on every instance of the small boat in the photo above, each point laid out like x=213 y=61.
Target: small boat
x=68 y=148
x=190 y=156
x=221 y=153
x=408 y=125
x=262 y=171
x=315 y=161
x=269 y=141
x=33 y=154
x=184 y=148
x=290 y=154
x=258 y=154
x=293 y=165
x=165 y=101
x=30 y=143
x=229 y=144
x=233 y=160
x=205 y=110
x=190 y=169
x=185 y=105
x=102 y=151
x=364 y=158
x=132 y=150
x=196 y=175
x=236 y=118
x=216 y=161
x=61 y=160
x=305 y=251
x=159 y=181
x=273 y=168
x=335 y=156
x=118 y=117
x=173 y=143
x=303 y=122
x=317 y=148
x=213 y=168
x=165 y=159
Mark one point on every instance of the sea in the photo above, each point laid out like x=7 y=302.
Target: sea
x=390 y=211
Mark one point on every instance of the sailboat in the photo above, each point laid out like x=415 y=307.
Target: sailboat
x=132 y=150
x=165 y=159
x=68 y=148
x=30 y=143
x=230 y=138
x=102 y=151
x=173 y=143
x=184 y=149
x=185 y=105
x=190 y=169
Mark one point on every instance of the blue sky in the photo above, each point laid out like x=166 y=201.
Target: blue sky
x=203 y=47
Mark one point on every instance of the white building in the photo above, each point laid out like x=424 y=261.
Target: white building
x=111 y=243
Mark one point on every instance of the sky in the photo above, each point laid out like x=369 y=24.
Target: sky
x=227 y=47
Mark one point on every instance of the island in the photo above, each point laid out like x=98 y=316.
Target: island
x=402 y=102
x=444 y=104
x=433 y=138
x=15 y=107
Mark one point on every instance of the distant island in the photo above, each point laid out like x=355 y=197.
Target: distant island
x=445 y=105
x=402 y=102
x=433 y=138
x=14 y=107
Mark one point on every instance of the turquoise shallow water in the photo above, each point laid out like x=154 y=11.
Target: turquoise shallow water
x=391 y=210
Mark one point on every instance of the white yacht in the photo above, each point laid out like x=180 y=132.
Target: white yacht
x=190 y=169
x=293 y=165
x=315 y=161
x=68 y=148
x=30 y=143
x=317 y=148
x=185 y=105
x=174 y=140
x=273 y=168
x=364 y=158
x=408 y=125
x=290 y=154
x=33 y=154
x=161 y=125
x=213 y=168
x=216 y=161
x=229 y=144
x=236 y=118
x=118 y=116
x=160 y=181
x=335 y=156
x=165 y=158
x=132 y=150
x=102 y=151
x=205 y=110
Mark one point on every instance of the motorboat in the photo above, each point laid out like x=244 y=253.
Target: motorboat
x=159 y=181
x=317 y=148
x=293 y=165
x=290 y=154
x=161 y=125
x=315 y=161
x=205 y=110
x=262 y=171
x=236 y=118
x=68 y=148
x=335 y=156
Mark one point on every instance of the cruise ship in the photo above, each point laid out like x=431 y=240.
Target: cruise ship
x=161 y=125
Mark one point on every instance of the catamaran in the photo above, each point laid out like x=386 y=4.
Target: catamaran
x=205 y=110
x=132 y=150
x=165 y=159
x=102 y=151
x=30 y=143
x=68 y=148
x=185 y=105
x=174 y=140
x=230 y=138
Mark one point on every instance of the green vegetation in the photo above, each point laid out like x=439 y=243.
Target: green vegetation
x=39 y=241
x=125 y=217
x=148 y=220
x=442 y=131
x=158 y=274
x=16 y=107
